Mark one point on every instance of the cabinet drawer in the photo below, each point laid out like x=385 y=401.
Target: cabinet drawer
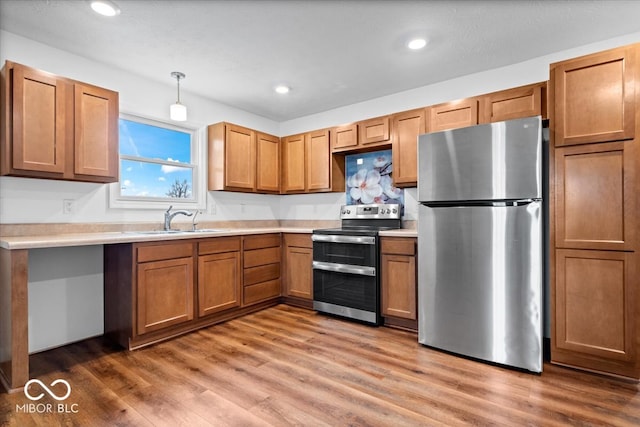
x=261 y=291
x=260 y=241
x=160 y=252
x=261 y=257
x=219 y=245
x=399 y=246
x=298 y=240
x=261 y=274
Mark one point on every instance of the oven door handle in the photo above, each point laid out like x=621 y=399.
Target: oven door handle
x=332 y=238
x=344 y=268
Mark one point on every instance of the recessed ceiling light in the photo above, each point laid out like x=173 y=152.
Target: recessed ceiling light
x=282 y=89
x=417 y=44
x=105 y=7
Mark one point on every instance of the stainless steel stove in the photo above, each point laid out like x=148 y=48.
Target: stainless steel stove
x=346 y=262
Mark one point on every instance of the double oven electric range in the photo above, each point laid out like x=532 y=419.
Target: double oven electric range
x=346 y=262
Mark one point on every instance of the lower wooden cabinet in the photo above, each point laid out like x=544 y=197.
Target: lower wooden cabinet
x=219 y=275
x=398 y=282
x=156 y=290
x=164 y=286
x=298 y=272
x=595 y=311
x=261 y=273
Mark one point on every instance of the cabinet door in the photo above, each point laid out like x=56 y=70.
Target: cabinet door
x=165 y=294
x=96 y=132
x=514 y=103
x=293 y=164
x=267 y=163
x=373 y=131
x=594 y=97
x=298 y=272
x=595 y=310
x=344 y=137
x=240 y=157
x=398 y=281
x=219 y=282
x=595 y=189
x=406 y=128
x=452 y=115
x=318 y=161
x=40 y=116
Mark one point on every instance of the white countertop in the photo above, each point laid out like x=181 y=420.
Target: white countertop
x=106 y=238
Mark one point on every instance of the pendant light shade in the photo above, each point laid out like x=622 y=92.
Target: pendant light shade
x=178 y=111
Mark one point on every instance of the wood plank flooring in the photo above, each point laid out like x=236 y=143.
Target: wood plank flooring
x=289 y=366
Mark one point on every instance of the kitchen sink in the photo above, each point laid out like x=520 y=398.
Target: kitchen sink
x=201 y=230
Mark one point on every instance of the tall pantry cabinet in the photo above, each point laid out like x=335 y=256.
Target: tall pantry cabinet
x=595 y=128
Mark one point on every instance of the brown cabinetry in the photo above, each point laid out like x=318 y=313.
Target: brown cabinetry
x=524 y=101
x=308 y=166
x=344 y=138
x=241 y=159
x=267 y=163
x=57 y=128
x=164 y=286
x=366 y=135
x=398 y=282
x=157 y=290
x=261 y=263
x=374 y=131
x=595 y=97
x=298 y=273
x=219 y=275
x=452 y=115
x=594 y=158
x=407 y=126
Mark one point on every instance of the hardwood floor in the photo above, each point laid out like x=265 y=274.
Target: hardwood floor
x=290 y=366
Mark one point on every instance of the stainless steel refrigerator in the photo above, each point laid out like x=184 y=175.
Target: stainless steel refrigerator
x=480 y=242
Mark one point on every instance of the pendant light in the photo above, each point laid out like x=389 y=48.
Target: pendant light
x=178 y=111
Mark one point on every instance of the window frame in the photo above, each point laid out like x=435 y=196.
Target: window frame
x=198 y=190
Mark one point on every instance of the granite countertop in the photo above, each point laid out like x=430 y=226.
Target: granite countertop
x=112 y=237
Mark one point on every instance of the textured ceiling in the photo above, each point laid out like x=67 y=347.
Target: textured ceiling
x=331 y=53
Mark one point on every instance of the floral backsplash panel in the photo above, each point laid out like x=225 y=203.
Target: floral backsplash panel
x=369 y=179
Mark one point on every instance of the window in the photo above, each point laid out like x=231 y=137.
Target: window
x=158 y=165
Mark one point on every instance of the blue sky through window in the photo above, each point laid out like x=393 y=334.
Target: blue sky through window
x=141 y=146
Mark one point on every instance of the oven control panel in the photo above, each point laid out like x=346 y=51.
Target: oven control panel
x=375 y=211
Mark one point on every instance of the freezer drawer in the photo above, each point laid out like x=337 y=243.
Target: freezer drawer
x=480 y=282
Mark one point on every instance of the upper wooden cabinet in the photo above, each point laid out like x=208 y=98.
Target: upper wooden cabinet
x=366 y=135
x=594 y=97
x=308 y=166
x=524 y=101
x=57 y=128
x=294 y=164
x=407 y=126
x=344 y=137
x=318 y=161
x=237 y=155
x=267 y=163
x=374 y=131
x=452 y=115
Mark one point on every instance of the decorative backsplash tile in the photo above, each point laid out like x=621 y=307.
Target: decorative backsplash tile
x=369 y=179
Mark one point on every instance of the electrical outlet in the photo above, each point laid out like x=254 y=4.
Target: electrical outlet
x=212 y=208
x=68 y=206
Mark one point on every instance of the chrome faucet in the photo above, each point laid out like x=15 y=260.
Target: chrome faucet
x=168 y=216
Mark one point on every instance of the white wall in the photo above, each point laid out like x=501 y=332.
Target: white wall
x=78 y=292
